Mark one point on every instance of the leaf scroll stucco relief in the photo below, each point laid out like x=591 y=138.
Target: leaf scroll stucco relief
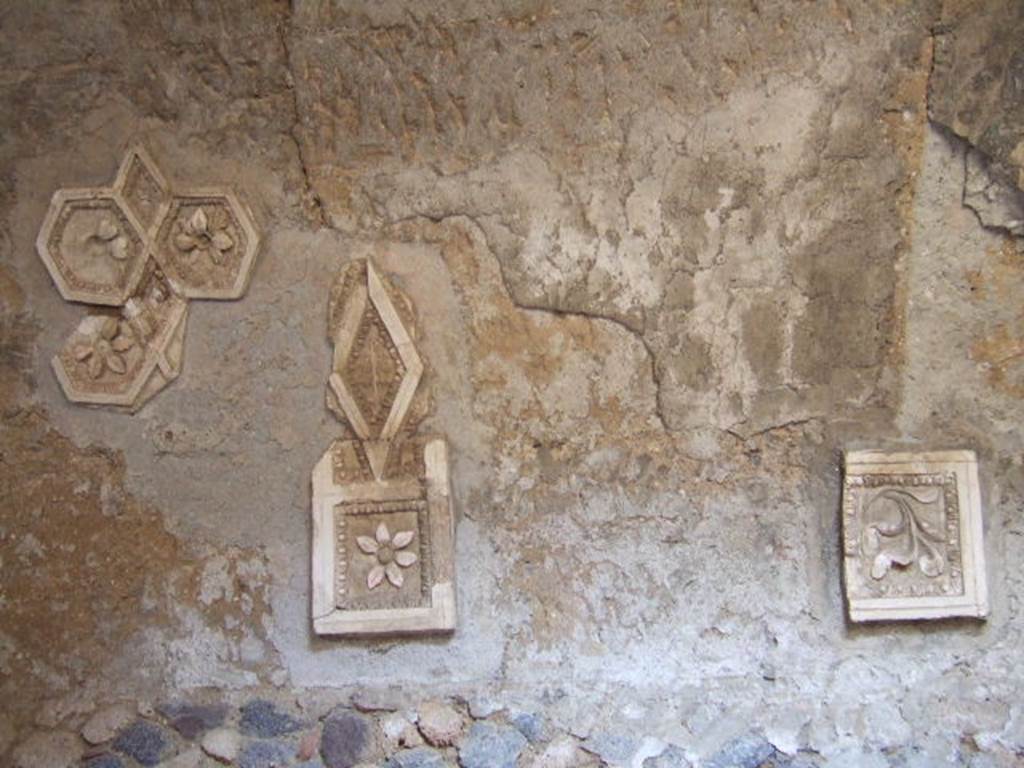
x=912 y=536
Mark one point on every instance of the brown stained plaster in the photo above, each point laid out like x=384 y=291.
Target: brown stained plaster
x=509 y=332
x=1001 y=354
x=1000 y=350
x=905 y=122
x=88 y=567
x=515 y=336
x=546 y=577
x=501 y=328
x=17 y=333
x=1002 y=276
x=72 y=548
x=512 y=333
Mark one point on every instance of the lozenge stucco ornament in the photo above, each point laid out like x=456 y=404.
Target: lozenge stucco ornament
x=383 y=526
x=143 y=249
x=912 y=536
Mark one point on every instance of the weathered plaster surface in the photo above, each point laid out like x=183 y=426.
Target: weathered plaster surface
x=668 y=260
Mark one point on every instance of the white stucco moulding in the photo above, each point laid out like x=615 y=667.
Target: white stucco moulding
x=142 y=247
x=383 y=548
x=436 y=613
x=913 y=545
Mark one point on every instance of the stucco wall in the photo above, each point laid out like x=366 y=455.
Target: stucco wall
x=668 y=261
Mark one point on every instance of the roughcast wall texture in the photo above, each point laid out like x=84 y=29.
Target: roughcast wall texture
x=668 y=260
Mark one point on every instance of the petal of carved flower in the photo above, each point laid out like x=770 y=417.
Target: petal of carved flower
x=368 y=545
x=109 y=328
x=375 y=576
x=107 y=230
x=394 y=574
x=119 y=248
x=123 y=343
x=81 y=351
x=222 y=241
x=185 y=242
x=405 y=559
x=95 y=366
x=402 y=539
x=383 y=535
x=116 y=363
x=198 y=223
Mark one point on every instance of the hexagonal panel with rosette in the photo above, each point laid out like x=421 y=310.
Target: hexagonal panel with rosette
x=207 y=243
x=93 y=247
x=137 y=246
x=124 y=358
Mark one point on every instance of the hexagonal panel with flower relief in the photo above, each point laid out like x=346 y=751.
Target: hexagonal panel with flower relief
x=133 y=245
x=207 y=244
x=93 y=248
x=124 y=358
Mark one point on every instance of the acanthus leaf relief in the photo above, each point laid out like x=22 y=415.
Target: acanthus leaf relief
x=912 y=536
x=102 y=245
x=897 y=532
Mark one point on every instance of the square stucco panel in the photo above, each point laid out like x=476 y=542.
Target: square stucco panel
x=912 y=536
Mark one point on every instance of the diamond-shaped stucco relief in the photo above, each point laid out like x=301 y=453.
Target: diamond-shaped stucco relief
x=141 y=186
x=103 y=246
x=376 y=368
x=383 y=525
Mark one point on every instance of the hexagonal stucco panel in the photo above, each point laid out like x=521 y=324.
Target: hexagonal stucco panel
x=123 y=359
x=207 y=244
x=93 y=247
x=102 y=245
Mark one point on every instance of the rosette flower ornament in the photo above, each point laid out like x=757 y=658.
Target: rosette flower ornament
x=107 y=240
x=390 y=555
x=105 y=352
x=199 y=236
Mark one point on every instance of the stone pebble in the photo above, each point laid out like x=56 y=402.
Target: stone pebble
x=262 y=719
x=144 y=742
x=491 y=745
